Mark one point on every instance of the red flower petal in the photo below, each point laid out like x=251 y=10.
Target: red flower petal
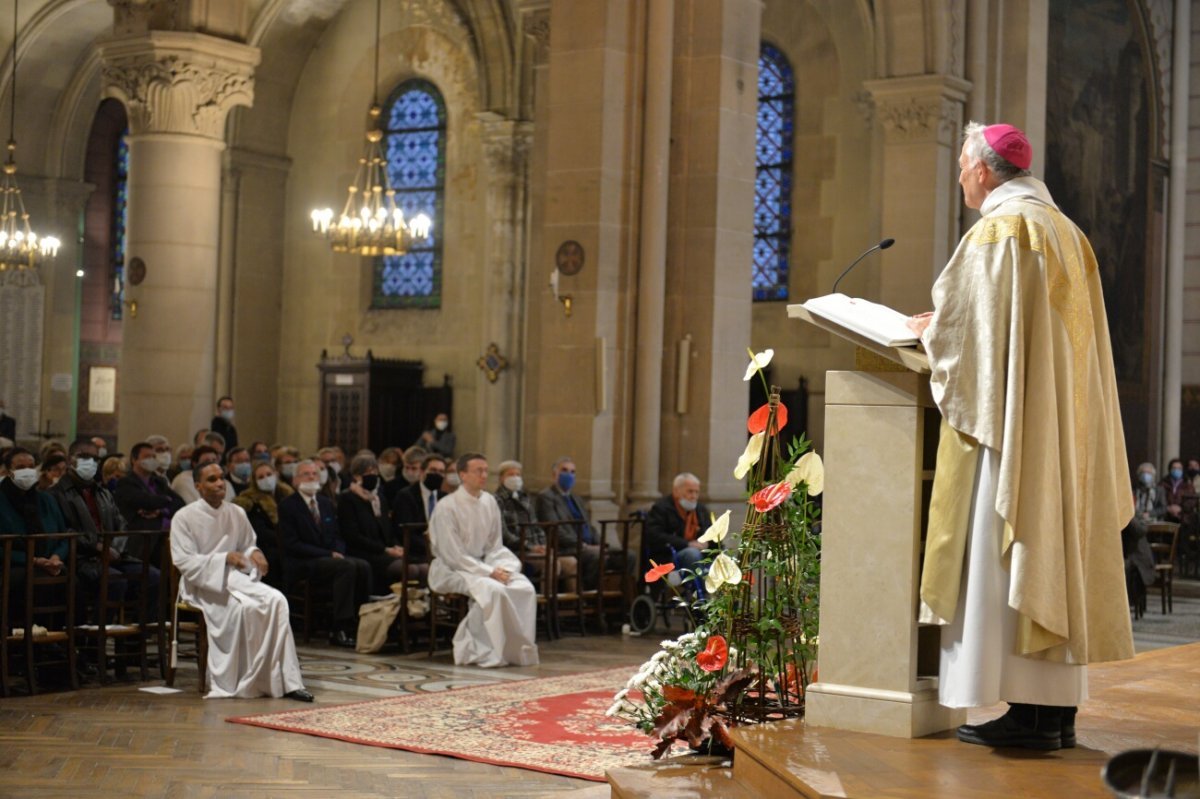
x=715 y=654
x=771 y=497
x=757 y=422
x=657 y=571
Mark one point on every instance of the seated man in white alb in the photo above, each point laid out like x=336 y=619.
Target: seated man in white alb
x=250 y=648
x=469 y=557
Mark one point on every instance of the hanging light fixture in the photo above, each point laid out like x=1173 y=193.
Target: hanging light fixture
x=20 y=247
x=370 y=222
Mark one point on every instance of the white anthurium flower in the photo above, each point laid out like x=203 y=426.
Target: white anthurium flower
x=718 y=530
x=750 y=456
x=758 y=361
x=810 y=471
x=723 y=571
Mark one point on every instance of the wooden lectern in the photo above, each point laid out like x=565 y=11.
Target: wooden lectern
x=877 y=667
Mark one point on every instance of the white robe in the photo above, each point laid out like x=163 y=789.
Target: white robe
x=250 y=648
x=501 y=624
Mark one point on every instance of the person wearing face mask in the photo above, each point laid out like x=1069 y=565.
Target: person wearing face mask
x=53 y=469
x=1180 y=496
x=516 y=508
x=183 y=461
x=239 y=468
x=365 y=520
x=414 y=505
x=162 y=453
x=90 y=509
x=411 y=473
x=286 y=459
x=261 y=501
x=314 y=550
x=184 y=483
x=101 y=447
x=1149 y=498
x=331 y=485
x=558 y=503
x=112 y=469
x=24 y=510
x=677 y=521
x=223 y=422
x=440 y=438
x=334 y=461
x=145 y=500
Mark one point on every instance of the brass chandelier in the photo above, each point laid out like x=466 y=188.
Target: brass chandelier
x=20 y=247
x=370 y=222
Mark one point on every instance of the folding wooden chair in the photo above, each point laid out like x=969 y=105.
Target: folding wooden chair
x=49 y=603
x=1164 y=538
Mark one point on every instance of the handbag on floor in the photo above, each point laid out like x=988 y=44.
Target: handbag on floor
x=374 y=621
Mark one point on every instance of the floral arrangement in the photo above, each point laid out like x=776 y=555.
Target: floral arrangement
x=752 y=650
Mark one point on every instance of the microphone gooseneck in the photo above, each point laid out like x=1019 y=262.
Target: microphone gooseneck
x=883 y=245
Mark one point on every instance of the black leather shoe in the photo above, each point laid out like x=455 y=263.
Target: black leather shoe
x=340 y=638
x=300 y=695
x=1068 y=727
x=1028 y=726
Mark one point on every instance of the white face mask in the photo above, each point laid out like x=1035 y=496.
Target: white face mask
x=441 y=424
x=289 y=470
x=309 y=489
x=149 y=464
x=412 y=475
x=102 y=452
x=85 y=468
x=163 y=458
x=227 y=415
x=25 y=479
x=335 y=467
x=267 y=484
x=452 y=479
x=324 y=477
x=387 y=471
x=514 y=483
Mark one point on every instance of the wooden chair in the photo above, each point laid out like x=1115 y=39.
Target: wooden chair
x=446 y=611
x=299 y=594
x=6 y=626
x=406 y=625
x=49 y=602
x=134 y=620
x=1163 y=538
x=188 y=619
x=549 y=592
x=617 y=585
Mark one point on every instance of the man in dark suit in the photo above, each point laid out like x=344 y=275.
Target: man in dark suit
x=556 y=503
x=676 y=522
x=223 y=423
x=415 y=504
x=145 y=501
x=314 y=550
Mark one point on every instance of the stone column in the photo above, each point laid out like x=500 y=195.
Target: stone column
x=921 y=118
x=1176 y=235
x=506 y=145
x=177 y=89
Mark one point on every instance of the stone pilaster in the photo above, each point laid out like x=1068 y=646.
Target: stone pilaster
x=177 y=88
x=920 y=118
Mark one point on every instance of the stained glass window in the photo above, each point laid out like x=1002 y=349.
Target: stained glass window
x=120 y=215
x=415 y=148
x=773 y=175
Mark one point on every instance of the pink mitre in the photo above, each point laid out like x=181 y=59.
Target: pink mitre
x=1010 y=144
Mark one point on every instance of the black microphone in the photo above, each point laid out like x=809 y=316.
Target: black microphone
x=883 y=245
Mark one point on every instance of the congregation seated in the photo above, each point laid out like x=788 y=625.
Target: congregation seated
x=365 y=521
x=89 y=508
x=415 y=503
x=145 y=500
x=251 y=651
x=185 y=486
x=261 y=503
x=1179 y=495
x=516 y=509
x=557 y=503
x=676 y=522
x=314 y=550
x=238 y=470
x=469 y=557
x=25 y=510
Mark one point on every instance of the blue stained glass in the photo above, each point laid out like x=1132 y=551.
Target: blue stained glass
x=120 y=219
x=773 y=179
x=415 y=148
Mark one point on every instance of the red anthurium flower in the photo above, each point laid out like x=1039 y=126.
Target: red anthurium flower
x=771 y=497
x=658 y=571
x=715 y=654
x=757 y=422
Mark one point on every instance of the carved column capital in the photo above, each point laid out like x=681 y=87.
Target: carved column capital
x=174 y=82
x=925 y=108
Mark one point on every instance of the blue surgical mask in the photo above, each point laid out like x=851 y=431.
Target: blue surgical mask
x=185 y=464
x=242 y=471
x=566 y=480
x=264 y=456
x=1147 y=478
x=1177 y=474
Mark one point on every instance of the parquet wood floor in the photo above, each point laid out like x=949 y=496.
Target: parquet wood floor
x=117 y=741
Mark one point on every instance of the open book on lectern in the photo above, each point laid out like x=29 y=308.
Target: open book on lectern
x=877 y=322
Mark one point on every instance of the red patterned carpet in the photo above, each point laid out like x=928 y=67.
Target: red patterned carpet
x=552 y=724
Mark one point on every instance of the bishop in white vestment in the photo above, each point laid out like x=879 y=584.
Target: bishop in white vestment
x=250 y=648
x=469 y=557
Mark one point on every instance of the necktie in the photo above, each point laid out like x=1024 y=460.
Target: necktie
x=432 y=502
x=316 y=514
x=578 y=514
